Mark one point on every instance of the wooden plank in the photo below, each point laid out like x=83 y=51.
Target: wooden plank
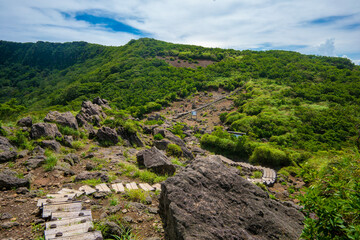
x=133 y=185
x=102 y=188
x=118 y=187
x=66 y=215
x=146 y=187
x=69 y=230
x=87 y=189
x=84 y=236
x=157 y=186
x=65 y=207
x=67 y=222
x=42 y=202
x=60 y=195
x=71 y=191
x=128 y=186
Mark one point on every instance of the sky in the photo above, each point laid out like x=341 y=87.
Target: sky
x=320 y=27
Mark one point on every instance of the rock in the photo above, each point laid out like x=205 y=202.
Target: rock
x=156 y=117
x=152 y=238
x=47 y=130
x=5 y=216
x=90 y=166
x=72 y=159
x=51 y=144
x=66 y=171
x=7 y=225
x=208 y=200
x=198 y=151
x=148 y=200
x=25 y=122
x=132 y=137
x=9 y=180
x=128 y=219
x=138 y=206
x=153 y=210
x=114 y=209
x=100 y=194
x=101 y=102
x=67 y=141
x=23 y=153
x=162 y=144
x=108 y=135
x=91 y=175
x=156 y=161
x=65 y=119
x=35 y=162
x=38 y=151
x=89 y=113
x=6 y=156
x=5 y=144
x=22 y=190
x=149 y=129
x=113 y=229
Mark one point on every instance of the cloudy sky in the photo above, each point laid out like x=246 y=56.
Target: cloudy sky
x=322 y=27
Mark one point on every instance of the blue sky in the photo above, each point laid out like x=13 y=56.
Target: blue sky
x=321 y=27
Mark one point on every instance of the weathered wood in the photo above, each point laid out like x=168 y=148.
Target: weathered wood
x=68 y=230
x=146 y=187
x=71 y=191
x=68 y=222
x=60 y=195
x=157 y=186
x=118 y=187
x=133 y=185
x=84 y=236
x=60 y=215
x=42 y=202
x=66 y=207
x=87 y=189
x=128 y=186
x=102 y=188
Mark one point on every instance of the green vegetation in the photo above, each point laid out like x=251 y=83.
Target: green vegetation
x=174 y=150
x=256 y=174
x=50 y=161
x=136 y=195
x=158 y=136
x=92 y=182
x=133 y=171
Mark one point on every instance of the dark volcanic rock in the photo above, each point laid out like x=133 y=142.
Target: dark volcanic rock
x=67 y=141
x=89 y=113
x=155 y=160
x=51 y=144
x=210 y=201
x=162 y=144
x=91 y=175
x=72 y=159
x=106 y=134
x=25 y=122
x=65 y=119
x=9 y=180
x=101 y=102
x=130 y=136
x=35 y=162
x=47 y=130
x=5 y=144
x=7 y=152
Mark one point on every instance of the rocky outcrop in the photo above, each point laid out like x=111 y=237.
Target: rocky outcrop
x=25 y=122
x=175 y=139
x=162 y=144
x=132 y=137
x=9 y=180
x=47 y=130
x=156 y=161
x=51 y=144
x=90 y=113
x=208 y=200
x=65 y=119
x=107 y=135
x=101 y=102
x=91 y=175
x=35 y=162
x=71 y=159
x=7 y=151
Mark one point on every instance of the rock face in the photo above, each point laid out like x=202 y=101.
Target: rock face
x=155 y=160
x=48 y=130
x=210 y=201
x=131 y=137
x=35 y=162
x=65 y=119
x=7 y=152
x=106 y=134
x=8 y=180
x=90 y=113
x=25 y=122
x=51 y=144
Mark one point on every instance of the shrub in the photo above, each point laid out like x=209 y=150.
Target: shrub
x=174 y=150
x=50 y=162
x=77 y=145
x=21 y=140
x=269 y=156
x=158 y=136
x=257 y=174
x=136 y=195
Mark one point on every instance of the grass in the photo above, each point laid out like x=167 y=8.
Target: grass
x=133 y=171
x=77 y=145
x=257 y=174
x=92 y=182
x=50 y=162
x=136 y=195
x=178 y=162
x=114 y=201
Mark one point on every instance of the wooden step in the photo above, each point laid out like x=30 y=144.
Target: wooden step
x=157 y=186
x=64 y=207
x=146 y=187
x=83 y=236
x=66 y=215
x=48 y=201
x=87 y=189
x=131 y=186
x=67 y=222
x=60 y=195
x=71 y=191
x=118 y=187
x=103 y=188
x=68 y=230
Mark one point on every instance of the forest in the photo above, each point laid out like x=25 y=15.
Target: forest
x=300 y=113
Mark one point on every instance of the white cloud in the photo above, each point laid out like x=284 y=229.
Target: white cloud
x=239 y=24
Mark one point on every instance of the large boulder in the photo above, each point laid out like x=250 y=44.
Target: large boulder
x=208 y=200
x=9 y=180
x=51 y=144
x=90 y=113
x=25 y=122
x=156 y=161
x=7 y=151
x=101 y=102
x=35 y=162
x=107 y=135
x=5 y=144
x=175 y=139
x=65 y=119
x=132 y=137
x=47 y=130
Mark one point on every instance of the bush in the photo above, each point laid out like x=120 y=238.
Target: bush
x=77 y=145
x=136 y=195
x=158 y=136
x=174 y=150
x=257 y=174
x=50 y=162
x=269 y=156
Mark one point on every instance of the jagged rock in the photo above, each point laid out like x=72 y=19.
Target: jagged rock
x=113 y=229
x=65 y=119
x=6 y=156
x=5 y=216
x=156 y=117
x=91 y=175
x=47 y=130
x=5 y=144
x=51 y=144
x=22 y=190
x=67 y=141
x=23 y=153
x=101 y=102
x=208 y=200
x=72 y=159
x=175 y=139
x=88 y=113
x=131 y=137
x=35 y=162
x=155 y=160
x=66 y=171
x=108 y=135
x=9 y=180
x=90 y=166
x=149 y=129
x=198 y=151
x=25 y=122
x=38 y=151
x=162 y=144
